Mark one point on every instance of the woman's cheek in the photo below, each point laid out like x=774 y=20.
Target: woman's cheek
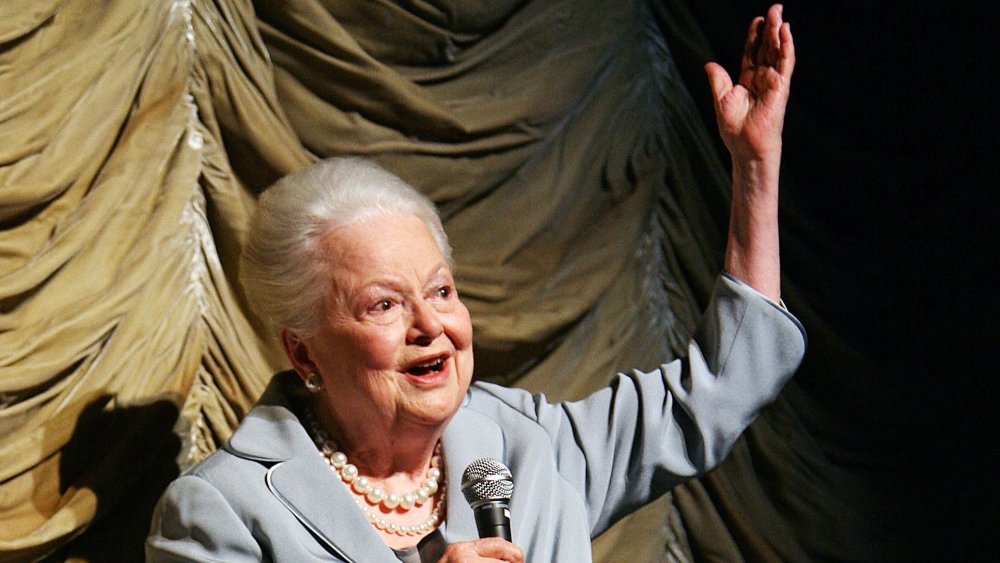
x=465 y=321
x=385 y=346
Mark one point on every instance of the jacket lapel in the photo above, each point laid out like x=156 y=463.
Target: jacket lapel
x=468 y=437
x=307 y=487
x=301 y=480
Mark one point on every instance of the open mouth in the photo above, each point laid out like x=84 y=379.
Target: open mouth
x=427 y=368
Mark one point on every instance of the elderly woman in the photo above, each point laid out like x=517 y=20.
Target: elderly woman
x=358 y=455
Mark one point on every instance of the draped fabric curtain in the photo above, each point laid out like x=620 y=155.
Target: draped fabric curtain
x=583 y=194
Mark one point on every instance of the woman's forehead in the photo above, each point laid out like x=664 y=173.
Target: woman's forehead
x=385 y=246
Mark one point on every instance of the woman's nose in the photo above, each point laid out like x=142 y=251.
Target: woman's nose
x=425 y=326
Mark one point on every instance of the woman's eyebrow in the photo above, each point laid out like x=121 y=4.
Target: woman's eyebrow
x=437 y=271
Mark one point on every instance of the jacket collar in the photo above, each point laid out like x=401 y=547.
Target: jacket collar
x=468 y=437
x=271 y=432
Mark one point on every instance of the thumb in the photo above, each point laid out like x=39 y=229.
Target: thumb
x=719 y=81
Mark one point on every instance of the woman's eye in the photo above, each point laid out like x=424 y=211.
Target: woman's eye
x=383 y=305
x=444 y=292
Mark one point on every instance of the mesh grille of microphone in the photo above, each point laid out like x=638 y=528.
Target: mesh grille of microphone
x=486 y=480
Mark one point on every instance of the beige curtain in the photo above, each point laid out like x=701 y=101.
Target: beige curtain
x=123 y=205
x=580 y=189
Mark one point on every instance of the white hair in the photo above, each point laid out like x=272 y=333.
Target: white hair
x=283 y=269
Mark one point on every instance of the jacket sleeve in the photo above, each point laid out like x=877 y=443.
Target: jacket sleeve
x=647 y=432
x=193 y=522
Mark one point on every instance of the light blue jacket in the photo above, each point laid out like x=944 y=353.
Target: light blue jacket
x=578 y=467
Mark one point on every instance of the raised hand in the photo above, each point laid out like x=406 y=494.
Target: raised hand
x=751 y=113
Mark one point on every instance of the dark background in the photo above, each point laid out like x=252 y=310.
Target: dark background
x=888 y=235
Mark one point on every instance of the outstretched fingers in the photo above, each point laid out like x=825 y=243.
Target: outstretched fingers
x=771 y=48
x=786 y=59
x=751 y=49
x=766 y=40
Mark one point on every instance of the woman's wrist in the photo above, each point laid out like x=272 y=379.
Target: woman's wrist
x=752 y=253
x=758 y=173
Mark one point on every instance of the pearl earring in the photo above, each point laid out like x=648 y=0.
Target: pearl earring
x=313 y=383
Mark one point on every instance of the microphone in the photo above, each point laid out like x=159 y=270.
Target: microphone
x=487 y=485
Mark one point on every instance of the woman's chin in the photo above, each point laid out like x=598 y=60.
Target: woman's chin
x=434 y=406
x=431 y=414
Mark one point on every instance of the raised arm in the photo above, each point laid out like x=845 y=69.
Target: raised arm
x=750 y=115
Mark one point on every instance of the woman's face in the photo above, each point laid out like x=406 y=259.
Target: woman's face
x=395 y=343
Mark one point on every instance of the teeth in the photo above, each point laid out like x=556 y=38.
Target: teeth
x=424 y=368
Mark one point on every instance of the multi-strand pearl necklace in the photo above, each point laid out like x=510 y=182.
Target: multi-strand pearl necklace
x=348 y=473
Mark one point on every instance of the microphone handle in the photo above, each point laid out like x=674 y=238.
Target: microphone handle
x=493 y=520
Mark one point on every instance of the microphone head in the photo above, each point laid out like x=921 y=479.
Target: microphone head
x=487 y=480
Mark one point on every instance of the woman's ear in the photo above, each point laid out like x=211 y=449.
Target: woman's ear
x=298 y=353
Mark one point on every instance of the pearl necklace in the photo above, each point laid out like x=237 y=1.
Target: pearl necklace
x=403 y=530
x=348 y=473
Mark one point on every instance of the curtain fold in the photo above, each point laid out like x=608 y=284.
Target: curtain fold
x=127 y=350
